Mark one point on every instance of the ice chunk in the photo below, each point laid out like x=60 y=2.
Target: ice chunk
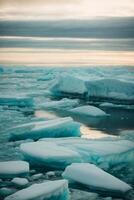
x=88 y=111
x=10 y=169
x=58 y=153
x=62 y=104
x=46 y=191
x=94 y=87
x=16 y=101
x=94 y=177
x=110 y=88
x=69 y=84
x=60 y=127
x=49 y=154
x=20 y=182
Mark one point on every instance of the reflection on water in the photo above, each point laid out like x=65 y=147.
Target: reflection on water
x=89 y=133
x=44 y=114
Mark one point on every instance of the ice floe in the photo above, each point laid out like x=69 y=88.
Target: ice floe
x=95 y=178
x=61 y=104
x=58 y=153
x=49 y=154
x=10 y=169
x=47 y=191
x=60 y=127
x=91 y=111
x=97 y=87
x=16 y=101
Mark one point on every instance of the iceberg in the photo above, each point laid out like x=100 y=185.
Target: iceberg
x=58 y=153
x=69 y=84
x=96 y=87
x=56 y=190
x=110 y=88
x=16 y=101
x=90 y=111
x=95 y=178
x=11 y=169
x=60 y=127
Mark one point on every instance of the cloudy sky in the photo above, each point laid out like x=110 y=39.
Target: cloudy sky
x=64 y=9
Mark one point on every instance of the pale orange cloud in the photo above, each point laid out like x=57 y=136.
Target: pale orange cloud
x=64 y=9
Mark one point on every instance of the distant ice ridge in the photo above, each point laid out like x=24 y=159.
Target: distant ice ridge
x=60 y=127
x=11 y=169
x=58 y=153
x=90 y=86
x=56 y=190
x=95 y=178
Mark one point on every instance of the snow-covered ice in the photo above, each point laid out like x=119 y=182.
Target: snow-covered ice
x=60 y=127
x=10 y=169
x=94 y=177
x=56 y=190
x=91 y=111
x=59 y=153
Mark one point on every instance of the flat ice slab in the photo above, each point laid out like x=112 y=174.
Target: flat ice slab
x=60 y=127
x=10 y=169
x=94 y=177
x=47 y=190
x=59 y=153
x=49 y=154
x=91 y=111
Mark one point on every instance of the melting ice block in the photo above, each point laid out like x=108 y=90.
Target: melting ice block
x=58 y=153
x=91 y=111
x=11 y=169
x=16 y=101
x=49 y=154
x=94 y=178
x=60 y=127
x=56 y=190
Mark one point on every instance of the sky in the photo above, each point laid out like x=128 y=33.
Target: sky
x=64 y=9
